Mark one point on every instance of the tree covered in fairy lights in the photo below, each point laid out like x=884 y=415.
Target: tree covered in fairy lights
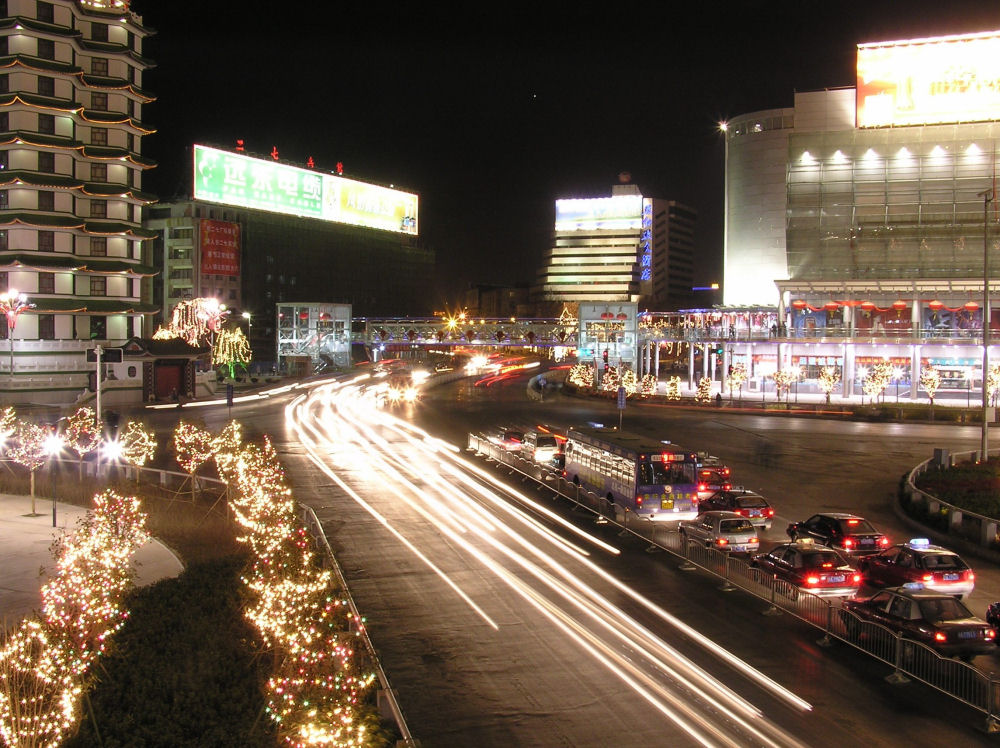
x=737 y=376
x=231 y=349
x=8 y=425
x=930 y=380
x=630 y=382
x=704 y=392
x=137 y=445
x=611 y=380
x=193 y=447
x=83 y=433
x=673 y=388
x=581 y=375
x=783 y=381
x=993 y=383
x=647 y=385
x=194 y=320
x=27 y=448
x=828 y=378
x=877 y=378
x=45 y=663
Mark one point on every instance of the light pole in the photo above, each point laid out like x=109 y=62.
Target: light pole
x=987 y=196
x=53 y=446
x=246 y=316
x=12 y=303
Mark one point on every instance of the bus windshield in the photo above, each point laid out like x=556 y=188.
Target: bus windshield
x=665 y=473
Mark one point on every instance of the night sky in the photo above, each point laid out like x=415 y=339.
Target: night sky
x=493 y=113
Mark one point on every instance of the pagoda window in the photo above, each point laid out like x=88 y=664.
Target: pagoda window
x=4 y=83
x=46 y=85
x=3 y=8
x=3 y=160
x=3 y=246
x=47 y=162
x=98 y=328
x=4 y=45
x=45 y=12
x=98 y=208
x=99 y=101
x=99 y=32
x=46 y=49
x=98 y=246
x=46 y=124
x=46 y=327
x=4 y=203
x=46 y=283
x=99 y=65
x=99 y=135
x=4 y=282
x=98 y=286
x=46 y=200
x=46 y=241
x=98 y=172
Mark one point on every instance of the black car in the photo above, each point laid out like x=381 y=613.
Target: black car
x=937 y=619
x=809 y=568
x=748 y=504
x=845 y=532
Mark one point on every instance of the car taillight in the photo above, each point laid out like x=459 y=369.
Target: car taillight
x=883 y=541
x=702 y=487
x=812 y=580
x=770 y=512
x=990 y=634
x=727 y=486
x=848 y=543
x=940 y=636
x=754 y=540
x=721 y=541
x=970 y=576
x=928 y=577
x=638 y=501
x=856 y=579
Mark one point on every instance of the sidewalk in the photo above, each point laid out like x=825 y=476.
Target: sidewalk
x=24 y=553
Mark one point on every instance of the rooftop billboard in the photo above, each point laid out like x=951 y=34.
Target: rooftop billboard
x=621 y=212
x=929 y=81
x=240 y=180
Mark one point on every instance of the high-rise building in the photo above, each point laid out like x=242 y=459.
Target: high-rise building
x=622 y=248
x=71 y=165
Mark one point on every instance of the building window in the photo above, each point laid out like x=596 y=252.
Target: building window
x=4 y=83
x=46 y=85
x=46 y=49
x=3 y=159
x=98 y=208
x=98 y=328
x=46 y=283
x=3 y=200
x=46 y=327
x=99 y=135
x=4 y=44
x=99 y=32
x=46 y=241
x=99 y=65
x=45 y=12
x=3 y=280
x=46 y=162
x=99 y=101
x=3 y=241
x=46 y=200
x=98 y=172
x=47 y=124
x=98 y=246
x=98 y=286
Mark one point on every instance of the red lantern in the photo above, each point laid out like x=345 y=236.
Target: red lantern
x=899 y=305
x=623 y=316
x=831 y=306
x=971 y=306
x=303 y=315
x=935 y=306
x=606 y=315
x=868 y=305
x=799 y=304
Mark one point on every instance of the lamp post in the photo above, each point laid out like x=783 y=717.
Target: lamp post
x=53 y=446
x=12 y=303
x=987 y=196
x=246 y=316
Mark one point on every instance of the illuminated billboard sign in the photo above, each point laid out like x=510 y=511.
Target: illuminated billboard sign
x=220 y=247
x=929 y=81
x=236 y=179
x=621 y=212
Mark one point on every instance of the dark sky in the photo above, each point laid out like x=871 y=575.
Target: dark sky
x=492 y=113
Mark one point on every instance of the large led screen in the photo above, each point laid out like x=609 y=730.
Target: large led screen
x=929 y=81
x=236 y=179
x=621 y=212
x=220 y=247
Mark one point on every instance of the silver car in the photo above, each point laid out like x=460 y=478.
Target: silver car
x=724 y=531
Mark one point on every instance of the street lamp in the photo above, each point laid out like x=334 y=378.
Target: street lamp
x=987 y=196
x=54 y=443
x=12 y=303
x=246 y=316
x=897 y=374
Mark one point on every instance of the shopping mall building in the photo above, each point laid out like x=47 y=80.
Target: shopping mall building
x=867 y=217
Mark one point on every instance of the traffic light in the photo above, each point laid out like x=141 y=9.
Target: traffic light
x=718 y=349
x=605 y=357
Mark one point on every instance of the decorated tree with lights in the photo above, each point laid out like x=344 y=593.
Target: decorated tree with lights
x=930 y=380
x=581 y=375
x=630 y=382
x=137 y=445
x=673 y=388
x=8 y=425
x=28 y=449
x=878 y=377
x=647 y=385
x=828 y=378
x=231 y=349
x=83 y=434
x=611 y=380
x=783 y=381
x=194 y=320
x=737 y=376
x=993 y=383
x=704 y=393
x=193 y=447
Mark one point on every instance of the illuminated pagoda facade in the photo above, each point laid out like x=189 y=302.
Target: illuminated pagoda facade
x=71 y=165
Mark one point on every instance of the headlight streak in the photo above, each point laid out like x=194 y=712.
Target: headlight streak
x=610 y=618
x=350 y=428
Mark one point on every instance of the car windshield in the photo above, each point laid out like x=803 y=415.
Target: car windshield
x=735 y=526
x=546 y=441
x=855 y=526
x=943 y=609
x=943 y=562
x=820 y=559
x=750 y=502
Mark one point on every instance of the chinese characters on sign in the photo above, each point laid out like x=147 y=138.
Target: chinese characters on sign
x=220 y=248
x=646 y=242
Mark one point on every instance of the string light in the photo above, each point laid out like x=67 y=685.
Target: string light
x=137 y=444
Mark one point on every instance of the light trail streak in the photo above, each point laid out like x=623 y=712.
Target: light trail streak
x=339 y=420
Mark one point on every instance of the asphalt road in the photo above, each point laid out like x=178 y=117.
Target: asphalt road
x=510 y=678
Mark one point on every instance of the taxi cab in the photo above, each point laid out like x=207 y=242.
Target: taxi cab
x=934 y=567
x=810 y=568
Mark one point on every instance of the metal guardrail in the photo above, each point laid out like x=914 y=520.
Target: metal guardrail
x=909 y=659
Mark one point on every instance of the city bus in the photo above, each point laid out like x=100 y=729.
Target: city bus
x=654 y=480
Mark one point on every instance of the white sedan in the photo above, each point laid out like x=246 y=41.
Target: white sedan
x=724 y=531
